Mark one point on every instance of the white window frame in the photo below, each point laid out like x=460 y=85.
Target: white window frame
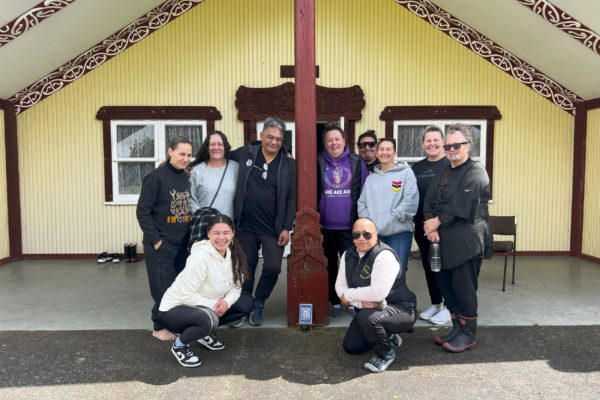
x=443 y=124
x=160 y=150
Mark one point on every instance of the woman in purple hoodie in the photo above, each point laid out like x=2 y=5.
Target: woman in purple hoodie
x=340 y=180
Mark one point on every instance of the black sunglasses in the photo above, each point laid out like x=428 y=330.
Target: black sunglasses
x=363 y=145
x=454 y=146
x=366 y=235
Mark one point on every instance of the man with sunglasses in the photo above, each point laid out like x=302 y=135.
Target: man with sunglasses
x=456 y=213
x=371 y=280
x=367 y=143
x=340 y=177
x=264 y=209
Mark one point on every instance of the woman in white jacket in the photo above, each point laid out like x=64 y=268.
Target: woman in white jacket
x=207 y=293
x=390 y=198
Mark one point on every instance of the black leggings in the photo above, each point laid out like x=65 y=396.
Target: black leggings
x=372 y=327
x=435 y=294
x=193 y=323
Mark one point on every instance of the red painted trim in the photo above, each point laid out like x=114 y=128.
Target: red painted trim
x=108 y=113
x=305 y=102
x=8 y=260
x=107 y=146
x=12 y=179
x=565 y=22
x=489 y=154
x=592 y=104
x=590 y=258
x=101 y=52
x=489 y=113
x=30 y=18
x=288 y=71
x=541 y=253
x=578 y=188
x=493 y=53
x=81 y=256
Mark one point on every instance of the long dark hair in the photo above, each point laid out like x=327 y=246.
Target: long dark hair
x=203 y=155
x=239 y=262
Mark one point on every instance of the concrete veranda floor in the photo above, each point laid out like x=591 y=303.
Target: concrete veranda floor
x=74 y=328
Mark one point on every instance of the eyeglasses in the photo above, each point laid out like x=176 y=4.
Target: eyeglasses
x=454 y=146
x=264 y=170
x=364 y=145
x=365 y=234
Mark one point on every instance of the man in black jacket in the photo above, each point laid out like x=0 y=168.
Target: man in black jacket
x=264 y=209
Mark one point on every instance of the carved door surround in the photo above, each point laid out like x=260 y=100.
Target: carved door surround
x=256 y=104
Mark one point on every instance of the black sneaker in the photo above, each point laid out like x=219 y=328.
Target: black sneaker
x=377 y=364
x=238 y=323
x=115 y=258
x=104 y=257
x=211 y=342
x=185 y=356
x=334 y=311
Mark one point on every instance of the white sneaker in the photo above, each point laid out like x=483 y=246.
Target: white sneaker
x=429 y=312
x=441 y=318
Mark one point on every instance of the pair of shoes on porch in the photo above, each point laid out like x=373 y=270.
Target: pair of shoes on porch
x=105 y=257
x=378 y=364
x=211 y=343
x=436 y=315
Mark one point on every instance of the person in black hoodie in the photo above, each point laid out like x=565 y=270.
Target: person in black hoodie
x=163 y=212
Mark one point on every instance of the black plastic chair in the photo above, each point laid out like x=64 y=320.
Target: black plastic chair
x=507 y=226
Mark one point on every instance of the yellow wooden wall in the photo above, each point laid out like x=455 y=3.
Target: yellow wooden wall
x=201 y=59
x=591 y=213
x=399 y=59
x=4 y=242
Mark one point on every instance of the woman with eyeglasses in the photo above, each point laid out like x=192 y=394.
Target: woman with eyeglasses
x=456 y=214
x=390 y=198
x=214 y=175
x=425 y=171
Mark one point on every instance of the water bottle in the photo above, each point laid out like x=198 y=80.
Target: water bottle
x=436 y=257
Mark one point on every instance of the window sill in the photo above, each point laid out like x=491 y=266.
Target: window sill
x=120 y=203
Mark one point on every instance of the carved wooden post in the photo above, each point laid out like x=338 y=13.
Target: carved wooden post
x=307 y=272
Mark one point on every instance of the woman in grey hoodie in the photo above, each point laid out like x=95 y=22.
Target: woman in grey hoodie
x=390 y=198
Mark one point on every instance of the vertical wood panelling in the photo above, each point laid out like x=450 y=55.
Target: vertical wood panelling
x=591 y=213
x=4 y=240
x=202 y=57
x=199 y=59
x=401 y=60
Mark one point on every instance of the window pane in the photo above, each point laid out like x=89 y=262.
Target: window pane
x=135 y=141
x=192 y=132
x=287 y=141
x=476 y=135
x=409 y=140
x=131 y=175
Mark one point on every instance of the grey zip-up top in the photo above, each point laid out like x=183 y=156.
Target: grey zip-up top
x=390 y=199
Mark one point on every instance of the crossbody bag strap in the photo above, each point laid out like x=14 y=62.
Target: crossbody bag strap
x=220 y=183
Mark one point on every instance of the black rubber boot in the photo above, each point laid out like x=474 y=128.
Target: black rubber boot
x=465 y=339
x=450 y=335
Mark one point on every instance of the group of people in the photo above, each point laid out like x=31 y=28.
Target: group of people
x=368 y=204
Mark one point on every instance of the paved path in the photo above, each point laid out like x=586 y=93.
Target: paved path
x=508 y=362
